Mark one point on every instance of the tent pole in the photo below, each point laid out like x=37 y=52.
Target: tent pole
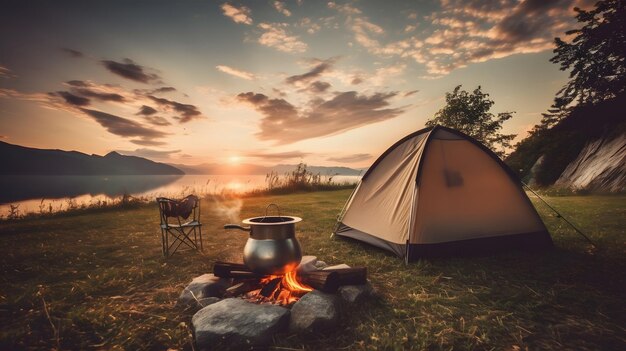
x=560 y=215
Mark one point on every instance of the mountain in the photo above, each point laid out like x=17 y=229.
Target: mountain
x=242 y=169
x=20 y=160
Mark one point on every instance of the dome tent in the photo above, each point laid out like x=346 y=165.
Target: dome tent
x=439 y=192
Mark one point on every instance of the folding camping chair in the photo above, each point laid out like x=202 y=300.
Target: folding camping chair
x=185 y=228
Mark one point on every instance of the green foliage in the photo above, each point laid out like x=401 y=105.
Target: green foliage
x=470 y=113
x=563 y=142
x=595 y=57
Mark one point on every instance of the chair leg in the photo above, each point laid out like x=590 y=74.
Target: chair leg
x=181 y=236
x=163 y=242
x=167 y=243
x=200 y=231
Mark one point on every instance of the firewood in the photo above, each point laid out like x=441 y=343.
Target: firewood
x=321 y=280
x=242 y=287
x=233 y=270
x=350 y=276
x=270 y=287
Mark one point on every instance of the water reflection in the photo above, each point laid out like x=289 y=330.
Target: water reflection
x=20 y=188
x=45 y=194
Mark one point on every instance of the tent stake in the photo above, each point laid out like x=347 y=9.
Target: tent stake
x=560 y=215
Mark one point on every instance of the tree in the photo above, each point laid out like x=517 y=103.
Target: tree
x=469 y=113
x=596 y=57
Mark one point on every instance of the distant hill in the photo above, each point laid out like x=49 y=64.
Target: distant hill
x=20 y=160
x=585 y=151
x=280 y=169
x=242 y=169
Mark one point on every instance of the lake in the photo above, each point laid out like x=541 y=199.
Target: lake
x=58 y=193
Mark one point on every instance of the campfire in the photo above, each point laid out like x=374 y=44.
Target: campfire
x=284 y=290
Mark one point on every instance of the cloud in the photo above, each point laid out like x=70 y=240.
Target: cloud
x=409 y=93
x=317 y=70
x=285 y=123
x=319 y=87
x=275 y=36
x=72 y=53
x=6 y=73
x=237 y=14
x=149 y=153
x=72 y=99
x=310 y=26
x=163 y=90
x=147 y=142
x=123 y=127
x=130 y=70
x=236 y=72
x=277 y=156
x=350 y=158
x=68 y=101
x=46 y=99
x=465 y=32
x=78 y=83
x=102 y=96
x=187 y=112
x=146 y=110
x=280 y=7
x=157 y=120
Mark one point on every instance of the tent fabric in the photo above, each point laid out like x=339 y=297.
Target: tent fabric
x=436 y=191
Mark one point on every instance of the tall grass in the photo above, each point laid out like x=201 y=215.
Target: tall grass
x=299 y=180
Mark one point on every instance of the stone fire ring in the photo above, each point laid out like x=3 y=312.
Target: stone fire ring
x=236 y=324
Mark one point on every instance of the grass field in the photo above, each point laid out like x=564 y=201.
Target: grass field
x=98 y=281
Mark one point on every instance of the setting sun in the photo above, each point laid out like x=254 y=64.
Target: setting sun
x=234 y=160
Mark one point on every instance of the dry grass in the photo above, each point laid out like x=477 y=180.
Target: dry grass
x=98 y=281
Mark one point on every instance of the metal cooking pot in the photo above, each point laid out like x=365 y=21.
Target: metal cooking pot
x=272 y=247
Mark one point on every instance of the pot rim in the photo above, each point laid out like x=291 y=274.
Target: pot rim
x=291 y=220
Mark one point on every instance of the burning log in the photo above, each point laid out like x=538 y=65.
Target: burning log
x=321 y=280
x=233 y=270
x=350 y=276
x=242 y=288
x=271 y=287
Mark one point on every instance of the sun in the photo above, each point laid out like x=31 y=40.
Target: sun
x=234 y=160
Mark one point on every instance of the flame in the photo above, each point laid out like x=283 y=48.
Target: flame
x=291 y=282
x=288 y=291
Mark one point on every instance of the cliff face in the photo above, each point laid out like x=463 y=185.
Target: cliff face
x=600 y=166
x=584 y=151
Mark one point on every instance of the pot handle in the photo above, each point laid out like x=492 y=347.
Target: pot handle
x=236 y=226
x=267 y=209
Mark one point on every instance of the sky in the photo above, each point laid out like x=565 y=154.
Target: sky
x=266 y=82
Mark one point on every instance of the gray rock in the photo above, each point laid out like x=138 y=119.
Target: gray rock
x=235 y=324
x=315 y=311
x=206 y=285
x=208 y=301
x=307 y=264
x=356 y=293
x=320 y=264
